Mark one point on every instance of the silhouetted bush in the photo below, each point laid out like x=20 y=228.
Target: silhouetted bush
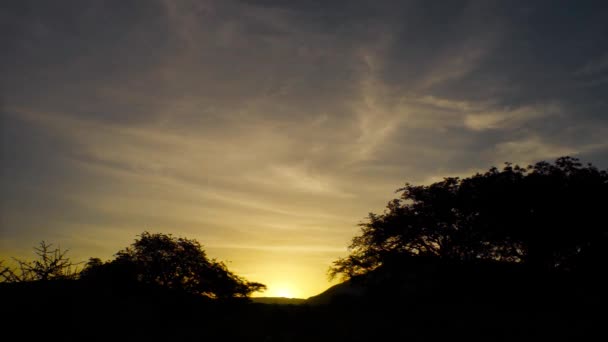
x=51 y=264
x=168 y=262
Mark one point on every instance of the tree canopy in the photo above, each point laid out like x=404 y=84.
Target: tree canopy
x=549 y=216
x=174 y=263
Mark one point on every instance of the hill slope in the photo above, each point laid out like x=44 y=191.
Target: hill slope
x=278 y=300
x=347 y=289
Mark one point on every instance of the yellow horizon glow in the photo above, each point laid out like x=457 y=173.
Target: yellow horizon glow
x=281 y=290
x=291 y=271
x=294 y=273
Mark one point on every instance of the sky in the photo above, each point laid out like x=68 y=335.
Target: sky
x=268 y=130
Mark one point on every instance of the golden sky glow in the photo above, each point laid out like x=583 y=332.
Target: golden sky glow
x=266 y=130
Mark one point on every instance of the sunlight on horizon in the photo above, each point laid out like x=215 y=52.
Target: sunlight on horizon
x=281 y=290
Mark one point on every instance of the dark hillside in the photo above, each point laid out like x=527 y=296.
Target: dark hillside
x=437 y=302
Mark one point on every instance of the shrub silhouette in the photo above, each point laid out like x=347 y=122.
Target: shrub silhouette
x=173 y=263
x=51 y=264
x=546 y=216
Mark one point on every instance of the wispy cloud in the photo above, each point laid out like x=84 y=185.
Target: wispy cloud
x=595 y=66
x=491 y=118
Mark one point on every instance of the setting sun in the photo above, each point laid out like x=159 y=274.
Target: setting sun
x=282 y=290
x=284 y=293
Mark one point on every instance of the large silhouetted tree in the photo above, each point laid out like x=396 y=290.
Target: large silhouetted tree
x=169 y=262
x=547 y=216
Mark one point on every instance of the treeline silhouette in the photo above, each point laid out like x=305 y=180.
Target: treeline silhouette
x=153 y=260
x=524 y=240
x=172 y=263
x=549 y=217
x=519 y=253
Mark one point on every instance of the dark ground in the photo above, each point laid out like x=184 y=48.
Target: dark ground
x=74 y=311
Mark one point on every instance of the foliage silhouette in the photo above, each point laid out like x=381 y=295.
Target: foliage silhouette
x=546 y=216
x=173 y=263
x=51 y=264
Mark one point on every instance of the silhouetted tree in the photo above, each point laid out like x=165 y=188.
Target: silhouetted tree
x=51 y=264
x=169 y=262
x=547 y=216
